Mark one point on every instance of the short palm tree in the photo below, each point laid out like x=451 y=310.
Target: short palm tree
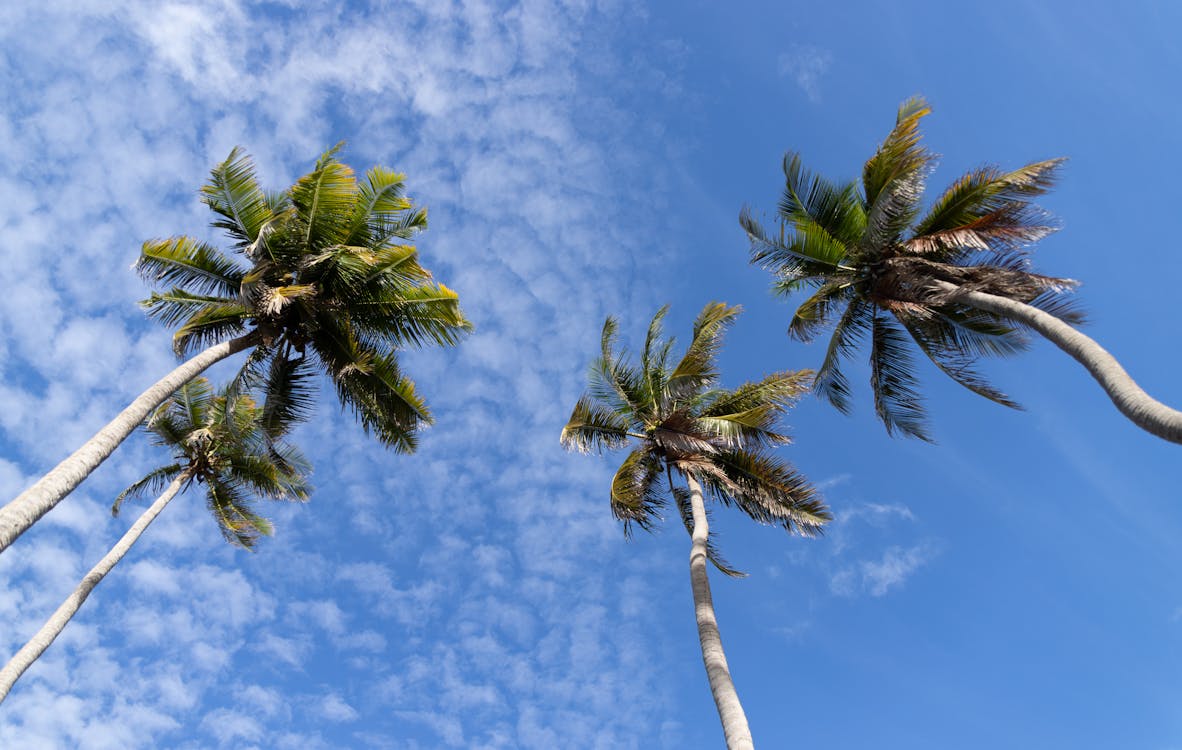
x=324 y=279
x=221 y=441
x=718 y=441
x=955 y=278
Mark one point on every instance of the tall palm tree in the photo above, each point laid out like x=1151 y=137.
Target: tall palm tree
x=324 y=278
x=222 y=441
x=718 y=441
x=955 y=279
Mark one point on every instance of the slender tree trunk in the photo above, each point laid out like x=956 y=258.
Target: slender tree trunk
x=1141 y=409
x=60 y=618
x=26 y=508
x=730 y=711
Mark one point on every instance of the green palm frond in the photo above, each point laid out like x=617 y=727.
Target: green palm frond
x=382 y=210
x=208 y=325
x=233 y=193
x=412 y=318
x=153 y=483
x=815 y=255
x=189 y=264
x=698 y=369
x=869 y=257
x=811 y=201
x=384 y=401
x=678 y=423
x=324 y=201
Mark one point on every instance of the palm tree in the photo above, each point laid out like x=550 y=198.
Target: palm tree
x=717 y=440
x=326 y=280
x=955 y=279
x=222 y=441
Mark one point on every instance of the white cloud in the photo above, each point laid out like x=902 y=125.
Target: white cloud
x=806 y=64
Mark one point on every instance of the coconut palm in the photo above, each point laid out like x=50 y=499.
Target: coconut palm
x=321 y=277
x=221 y=441
x=955 y=279
x=679 y=422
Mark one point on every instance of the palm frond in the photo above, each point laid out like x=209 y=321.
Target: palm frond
x=768 y=490
x=892 y=379
x=195 y=266
x=324 y=201
x=942 y=343
x=239 y=524
x=288 y=393
x=781 y=389
x=233 y=193
x=831 y=383
x=153 y=483
x=209 y=325
x=636 y=497
x=412 y=317
x=806 y=253
x=594 y=428
x=698 y=367
x=810 y=199
x=817 y=311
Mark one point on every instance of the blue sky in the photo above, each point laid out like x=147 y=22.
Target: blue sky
x=1014 y=585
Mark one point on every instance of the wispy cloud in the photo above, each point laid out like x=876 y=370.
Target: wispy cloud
x=805 y=65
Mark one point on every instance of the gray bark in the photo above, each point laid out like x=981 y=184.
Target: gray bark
x=730 y=711
x=57 y=622
x=1140 y=408
x=27 y=508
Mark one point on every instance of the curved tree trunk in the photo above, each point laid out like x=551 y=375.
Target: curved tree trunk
x=57 y=622
x=730 y=711
x=26 y=508
x=1141 y=409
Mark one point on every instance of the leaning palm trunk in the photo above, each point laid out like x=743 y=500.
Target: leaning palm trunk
x=730 y=711
x=1141 y=409
x=60 y=618
x=23 y=511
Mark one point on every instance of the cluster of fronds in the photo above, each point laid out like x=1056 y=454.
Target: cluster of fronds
x=679 y=420
x=322 y=277
x=882 y=268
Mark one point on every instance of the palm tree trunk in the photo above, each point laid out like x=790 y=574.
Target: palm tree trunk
x=730 y=711
x=1141 y=409
x=27 y=508
x=57 y=622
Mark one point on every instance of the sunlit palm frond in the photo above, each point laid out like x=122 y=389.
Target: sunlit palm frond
x=810 y=199
x=324 y=201
x=190 y=264
x=697 y=369
x=233 y=193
